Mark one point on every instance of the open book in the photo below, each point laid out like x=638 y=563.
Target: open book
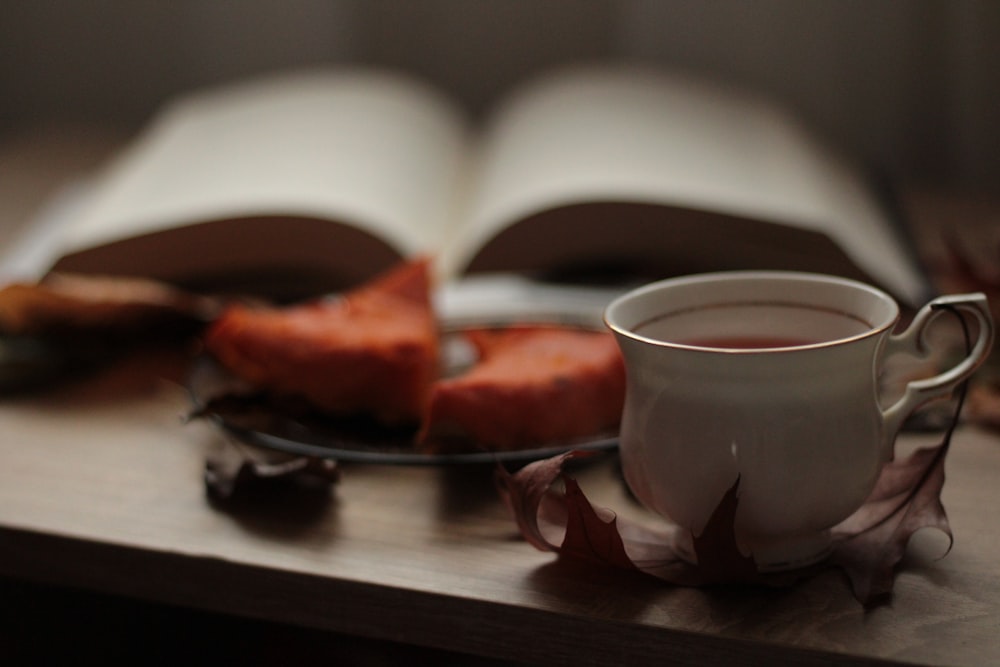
x=318 y=179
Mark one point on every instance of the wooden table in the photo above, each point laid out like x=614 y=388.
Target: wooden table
x=101 y=489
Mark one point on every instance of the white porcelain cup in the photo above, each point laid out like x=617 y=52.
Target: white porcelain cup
x=771 y=378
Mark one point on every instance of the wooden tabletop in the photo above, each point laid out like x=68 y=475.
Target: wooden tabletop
x=101 y=487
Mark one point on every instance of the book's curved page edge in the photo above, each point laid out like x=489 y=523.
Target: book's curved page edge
x=628 y=134
x=33 y=252
x=280 y=256
x=615 y=241
x=886 y=195
x=367 y=147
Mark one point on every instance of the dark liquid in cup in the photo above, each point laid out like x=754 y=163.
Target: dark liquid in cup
x=748 y=342
x=752 y=326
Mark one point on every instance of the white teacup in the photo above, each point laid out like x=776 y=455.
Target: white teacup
x=770 y=378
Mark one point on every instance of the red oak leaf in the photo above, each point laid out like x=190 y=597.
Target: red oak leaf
x=598 y=535
x=868 y=545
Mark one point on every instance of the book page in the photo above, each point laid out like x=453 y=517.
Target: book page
x=638 y=136
x=356 y=146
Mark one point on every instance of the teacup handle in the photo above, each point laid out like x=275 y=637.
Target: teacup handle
x=912 y=341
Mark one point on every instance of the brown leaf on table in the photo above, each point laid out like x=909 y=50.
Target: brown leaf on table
x=533 y=504
x=868 y=545
x=597 y=535
x=231 y=471
x=588 y=533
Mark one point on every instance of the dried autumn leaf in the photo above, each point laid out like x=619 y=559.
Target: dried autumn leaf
x=591 y=532
x=525 y=495
x=233 y=470
x=569 y=525
x=907 y=497
x=719 y=557
x=867 y=546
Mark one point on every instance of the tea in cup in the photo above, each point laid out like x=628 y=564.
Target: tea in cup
x=769 y=379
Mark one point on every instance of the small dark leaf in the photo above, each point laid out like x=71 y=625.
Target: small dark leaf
x=590 y=536
x=719 y=557
x=231 y=471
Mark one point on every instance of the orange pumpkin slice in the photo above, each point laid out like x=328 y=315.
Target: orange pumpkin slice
x=531 y=386
x=372 y=351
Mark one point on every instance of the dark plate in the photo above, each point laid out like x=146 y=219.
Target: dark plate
x=294 y=429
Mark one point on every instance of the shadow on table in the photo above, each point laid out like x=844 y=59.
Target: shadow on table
x=48 y=625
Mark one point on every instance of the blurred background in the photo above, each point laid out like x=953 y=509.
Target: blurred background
x=911 y=86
